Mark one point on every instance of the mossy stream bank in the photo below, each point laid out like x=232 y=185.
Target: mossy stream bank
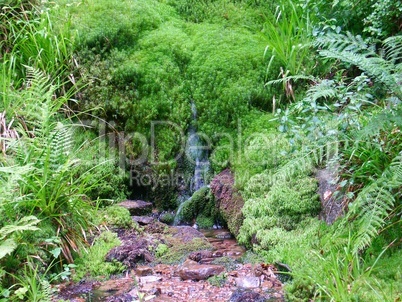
x=180 y=263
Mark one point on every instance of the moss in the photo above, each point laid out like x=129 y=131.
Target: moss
x=92 y=264
x=179 y=251
x=218 y=280
x=282 y=207
x=161 y=250
x=119 y=217
x=204 y=222
x=167 y=218
x=201 y=207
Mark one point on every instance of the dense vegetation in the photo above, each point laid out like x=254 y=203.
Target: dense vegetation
x=282 y=89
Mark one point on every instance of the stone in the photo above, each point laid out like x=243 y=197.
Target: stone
x=199 y=271
x=228 y=200
x=198 y=256
x=224 y=235
x=149 y=279
x=186 y=233
x=143 y=271
x=248 y=282
x=241 y=295
x=332 y=205
x=137 y=207
x=143 y=220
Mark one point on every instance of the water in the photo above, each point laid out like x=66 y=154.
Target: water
x=197 y=157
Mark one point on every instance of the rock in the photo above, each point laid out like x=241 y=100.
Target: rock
x=224 y=235
x=228 y=199
x=143 y=220
x=143 y=271
x=132 y=250
x=198 y=256
x=248 y=282
x=120 y=298
x=186 y=233
x=137 y=207
x=149 y=279
x=241 y=295
x=332 y=206
x=199 y=271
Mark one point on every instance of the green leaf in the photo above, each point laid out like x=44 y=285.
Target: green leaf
x=56 y=252
x=7 y=247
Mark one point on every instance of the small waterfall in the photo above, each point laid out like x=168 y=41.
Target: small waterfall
x=197 y=155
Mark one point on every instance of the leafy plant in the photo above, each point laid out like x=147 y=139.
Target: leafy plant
x=8 y=244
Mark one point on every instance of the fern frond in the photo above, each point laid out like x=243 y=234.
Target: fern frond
x=294 y=78
x=372 y=207
x=393 y=48
x=46 y=291
x=347 y=42
x=61 y=145
x=370 y=210
x=355 y=51
x=323 y=89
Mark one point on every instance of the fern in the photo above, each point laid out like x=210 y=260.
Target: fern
x=46 y=291
x=8 y=244
x=323 y=89
x=354 y=50
x=370 y=210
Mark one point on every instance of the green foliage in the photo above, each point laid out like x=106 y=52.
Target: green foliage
x=92 y=264
x=201 y=206
x=161 y=65
x=218 y=280
x=118 y=217
x=167 y=218
x=354 y=50
x=51 y=188
x=204 y=222
x=161 y=250
x=384 y=19
x=30 y=38
x=288 y=37
x=108 y=183
x=8 y=244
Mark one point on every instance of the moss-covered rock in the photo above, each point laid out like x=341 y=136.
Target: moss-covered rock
x=228 y=200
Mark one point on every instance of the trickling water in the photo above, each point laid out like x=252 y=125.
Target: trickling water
x=197 y=156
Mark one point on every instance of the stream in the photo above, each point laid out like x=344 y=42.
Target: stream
x=162 y=282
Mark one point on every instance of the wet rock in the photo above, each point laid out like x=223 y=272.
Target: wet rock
x=242 y=295
x=132 y=250
x=73 y=290
x=143 y=271
x=120 y=298
x=224 y=235
x=143 y=220
x=199 y=271
x=137 y=207
x=198 y=256
x=149 y=279
x=332 y=206
x=156 y=227
x=186 y=233
x=248 y=282
x=228 y=200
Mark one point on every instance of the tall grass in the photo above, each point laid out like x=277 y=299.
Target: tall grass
x=287 y=34
x=30 y=39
